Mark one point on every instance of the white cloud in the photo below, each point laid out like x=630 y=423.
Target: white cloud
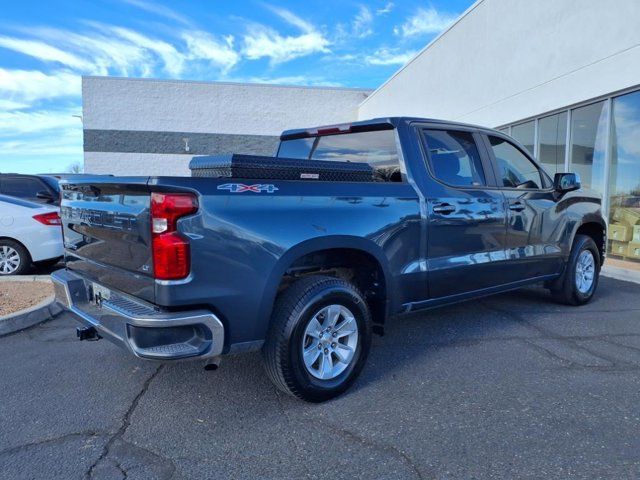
x=159 y=10
x=109 y=53
x=67 y=143
x=25 y=86
x=389 y=56
x=20 y=123
x=113 y=50
x=203 y=46
x=362 y=25
x=293 y=19
x=264 y=42
x=425 y=21
x=303 y=80
x=43 y=51
x=172 y=59
x=12 y=105
x=386 y=9
x=40 y=141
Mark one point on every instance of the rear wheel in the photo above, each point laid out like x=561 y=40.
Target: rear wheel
x=14 y=258
x=319 y=338
x=580 y=279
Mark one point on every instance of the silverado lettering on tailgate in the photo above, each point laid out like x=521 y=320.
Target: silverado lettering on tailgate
x=100 y=218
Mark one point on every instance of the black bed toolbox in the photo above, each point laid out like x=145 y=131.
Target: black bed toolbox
x=260 y=167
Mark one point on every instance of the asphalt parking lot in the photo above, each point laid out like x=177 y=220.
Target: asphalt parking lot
x=512 y=386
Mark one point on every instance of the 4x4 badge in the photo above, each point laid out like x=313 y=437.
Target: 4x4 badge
x=241 y=187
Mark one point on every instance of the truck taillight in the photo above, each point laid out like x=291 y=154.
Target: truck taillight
x=51 y=218
x=171 y=252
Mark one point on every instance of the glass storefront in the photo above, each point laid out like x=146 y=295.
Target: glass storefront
x=600 y=133
x=588 y=144
x=624 y=178
x=525 y=133
x=552 y=142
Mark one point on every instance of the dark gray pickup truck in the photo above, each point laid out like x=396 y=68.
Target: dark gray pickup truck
x=304 y=255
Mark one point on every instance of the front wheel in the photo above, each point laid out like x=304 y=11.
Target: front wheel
x=580 y=279
x=319 y=338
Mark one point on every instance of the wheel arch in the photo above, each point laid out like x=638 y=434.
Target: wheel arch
x=6 y=237
x=302 y=259
x=595 y=228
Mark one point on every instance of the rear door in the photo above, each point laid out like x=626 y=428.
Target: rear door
x=466 y=215
x=534 y=227
x=107 y=234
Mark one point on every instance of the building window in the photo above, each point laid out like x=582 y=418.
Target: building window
x=525 y=133
x=552 y=140
x=624 y=178
x=588 y=144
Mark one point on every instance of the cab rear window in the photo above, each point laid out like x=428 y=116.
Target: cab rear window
x=377 y=148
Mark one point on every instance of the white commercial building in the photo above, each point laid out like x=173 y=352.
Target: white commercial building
x=154 y=127
x=561 y=76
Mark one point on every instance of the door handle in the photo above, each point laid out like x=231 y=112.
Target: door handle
x=517 y=207
x=444 y=209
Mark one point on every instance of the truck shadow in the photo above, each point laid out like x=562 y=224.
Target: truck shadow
x=505 y=317
x=410 y=341
x=410 y=338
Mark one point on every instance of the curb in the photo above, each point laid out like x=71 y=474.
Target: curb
x=29 y=317
x=620 y=273
x=25 y=278
x=41 y=312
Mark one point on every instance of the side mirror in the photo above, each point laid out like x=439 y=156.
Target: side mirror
x=566 y=182
x=44 y=195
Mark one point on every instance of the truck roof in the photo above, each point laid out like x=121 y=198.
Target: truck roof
x=380 y=123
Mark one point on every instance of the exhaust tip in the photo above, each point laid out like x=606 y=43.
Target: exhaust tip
x=212 y=365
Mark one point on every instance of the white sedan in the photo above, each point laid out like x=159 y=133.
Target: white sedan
x=29 y=233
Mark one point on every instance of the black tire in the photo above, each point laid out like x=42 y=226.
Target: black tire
x=565 y=290
x=293 y=311
x=23 y=254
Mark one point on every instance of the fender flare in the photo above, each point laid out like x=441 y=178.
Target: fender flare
x=315 y=245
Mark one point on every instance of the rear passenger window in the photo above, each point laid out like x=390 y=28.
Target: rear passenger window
x=454 y=158
x=515 y=170
x=377 y=148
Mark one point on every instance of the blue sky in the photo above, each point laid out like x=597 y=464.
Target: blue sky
x=45 y=47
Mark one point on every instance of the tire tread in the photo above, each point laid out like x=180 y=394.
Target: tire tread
x=288 y=306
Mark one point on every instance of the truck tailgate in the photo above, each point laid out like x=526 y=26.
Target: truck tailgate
x=107 y=234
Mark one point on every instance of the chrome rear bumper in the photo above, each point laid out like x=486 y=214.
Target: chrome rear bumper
x=141 y=328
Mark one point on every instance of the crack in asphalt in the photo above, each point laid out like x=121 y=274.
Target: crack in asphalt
x=367 y=442
x=122 y=470
x=126 y=422
x=569 y=342
x=382 y=447
x=49 y=441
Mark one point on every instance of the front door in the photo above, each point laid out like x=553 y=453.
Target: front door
x=466 y=217
x=534 y=227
